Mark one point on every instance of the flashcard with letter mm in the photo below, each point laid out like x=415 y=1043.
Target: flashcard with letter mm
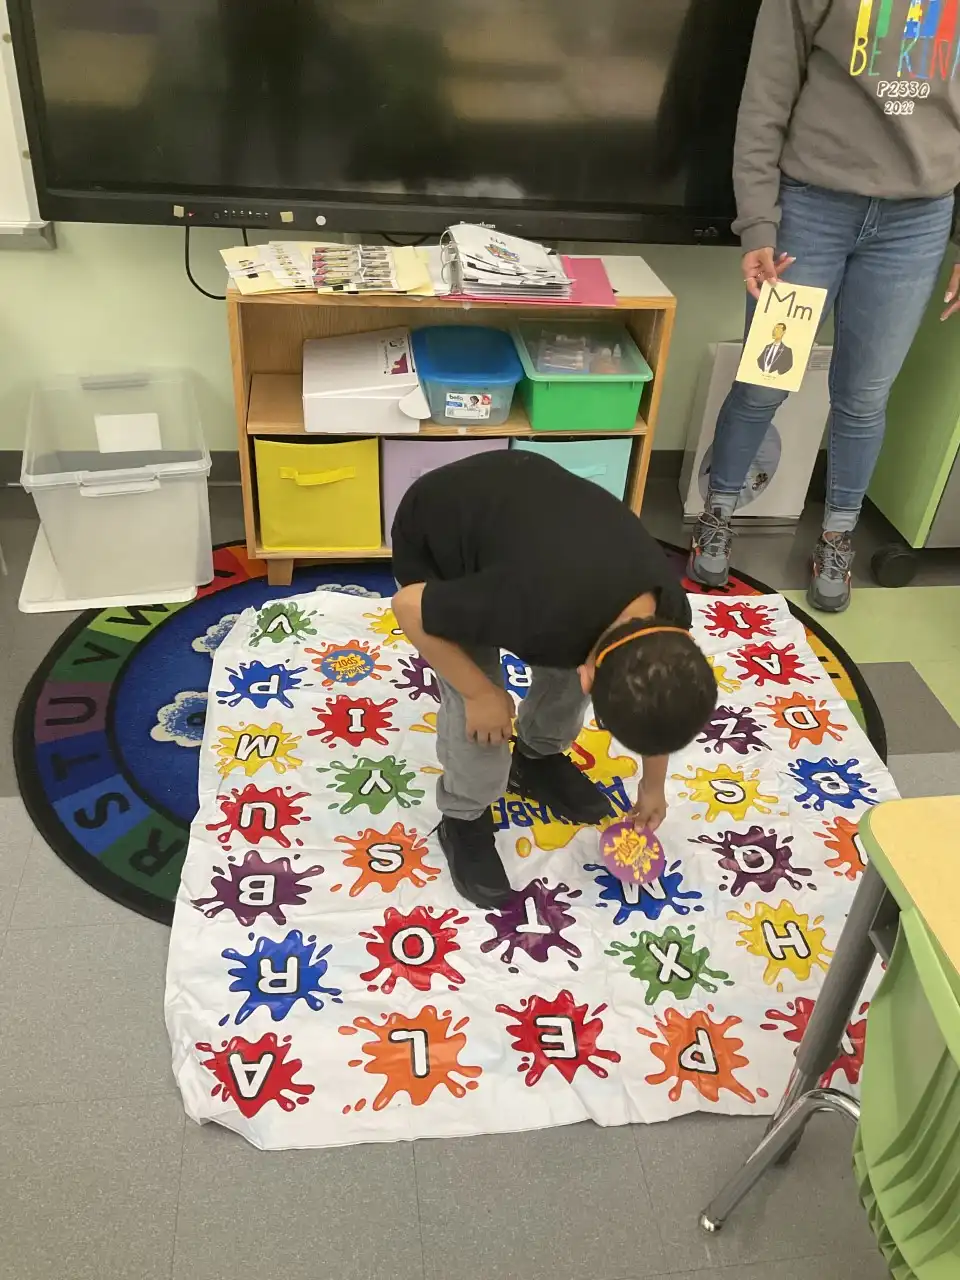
x=782 y=335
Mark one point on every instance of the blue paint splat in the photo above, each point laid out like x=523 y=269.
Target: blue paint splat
x=651 y=900
x=827 y=780
x=275 y=975
x=261 y=684
x=517 y=676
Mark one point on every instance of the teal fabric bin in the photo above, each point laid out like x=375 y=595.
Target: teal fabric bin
x=606 y=462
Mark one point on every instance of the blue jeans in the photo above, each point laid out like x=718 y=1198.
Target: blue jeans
x=879 y=261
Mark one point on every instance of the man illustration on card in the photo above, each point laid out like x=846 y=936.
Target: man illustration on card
x=776 y=356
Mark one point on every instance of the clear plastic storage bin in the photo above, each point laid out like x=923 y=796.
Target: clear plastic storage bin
x=118 y=469
x=468 y=373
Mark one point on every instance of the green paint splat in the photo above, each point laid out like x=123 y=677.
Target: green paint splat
x=282 y=620
x=669 y=962
x=374 y=783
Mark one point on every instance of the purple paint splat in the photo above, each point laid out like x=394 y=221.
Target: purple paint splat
x=533 y=921
x=420 y=679
x=732 y=729
x=755 y=859
x=254 y=888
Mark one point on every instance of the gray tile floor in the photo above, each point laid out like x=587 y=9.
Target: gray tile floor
x=102 y=1177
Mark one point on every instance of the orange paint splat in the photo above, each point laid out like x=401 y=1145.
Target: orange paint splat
x=842 y=836
x=249 y=748
x=725 y=683
x=415 y=1055
x=696 y=1050
x=386 y=859
x=725 y=790
x=785 y=938
x=384 y=623
x=805 y=718
x=591 y=753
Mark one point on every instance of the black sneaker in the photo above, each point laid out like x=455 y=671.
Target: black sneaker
x=557 y=782
x=474 y=863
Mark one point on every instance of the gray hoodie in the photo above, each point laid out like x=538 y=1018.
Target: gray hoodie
x=860 y=96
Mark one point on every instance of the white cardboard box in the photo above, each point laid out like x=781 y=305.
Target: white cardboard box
x=777 y=483
x=362 y=384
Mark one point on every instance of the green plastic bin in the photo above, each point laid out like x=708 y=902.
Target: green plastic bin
x=907 y=1155
x=580 y=399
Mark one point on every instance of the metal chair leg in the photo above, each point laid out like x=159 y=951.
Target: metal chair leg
x=785 y=1131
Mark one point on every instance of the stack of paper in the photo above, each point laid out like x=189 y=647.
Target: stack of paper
x=285 y=265
x=489 y=264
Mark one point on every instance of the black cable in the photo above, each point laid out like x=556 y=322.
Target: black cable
x=214 y=297
x=405 y=244
x=246 y=239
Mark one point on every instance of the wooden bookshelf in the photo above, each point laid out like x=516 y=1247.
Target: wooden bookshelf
x=267 y=334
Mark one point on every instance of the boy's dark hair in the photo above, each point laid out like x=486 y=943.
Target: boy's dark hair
x=655 y=690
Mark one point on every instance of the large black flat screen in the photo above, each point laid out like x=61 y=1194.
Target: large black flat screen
x=602 y=117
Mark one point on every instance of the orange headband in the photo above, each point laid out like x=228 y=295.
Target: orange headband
x=636 y=635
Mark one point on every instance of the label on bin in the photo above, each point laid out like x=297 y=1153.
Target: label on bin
x=128 y=432
x=463 y=404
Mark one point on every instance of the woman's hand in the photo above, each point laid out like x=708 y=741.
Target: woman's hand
x=489 y=717
x=759 y=267
x=952 y=298
x=650 y=808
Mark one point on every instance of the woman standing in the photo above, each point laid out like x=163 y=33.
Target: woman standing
x=846 y=160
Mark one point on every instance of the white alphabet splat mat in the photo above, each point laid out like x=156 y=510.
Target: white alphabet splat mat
x=327 y=985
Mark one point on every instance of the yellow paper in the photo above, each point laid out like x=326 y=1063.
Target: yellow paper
x=782 y=335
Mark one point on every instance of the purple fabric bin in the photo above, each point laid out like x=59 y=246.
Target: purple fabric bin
x=405 y=460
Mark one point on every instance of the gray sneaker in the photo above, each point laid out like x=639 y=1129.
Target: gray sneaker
x=709 y=562
x=830 y=589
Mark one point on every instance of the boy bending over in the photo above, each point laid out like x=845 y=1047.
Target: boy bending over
x=508 y=550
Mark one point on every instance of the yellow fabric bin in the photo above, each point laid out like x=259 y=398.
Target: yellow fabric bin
x=319 y=497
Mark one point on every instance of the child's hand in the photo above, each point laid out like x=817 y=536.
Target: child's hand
x=650 y=808
x=490 y=717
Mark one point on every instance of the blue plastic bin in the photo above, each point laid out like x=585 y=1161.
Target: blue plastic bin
x=468 y=373
x=605 y=462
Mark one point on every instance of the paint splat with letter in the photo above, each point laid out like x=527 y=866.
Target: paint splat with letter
x=415 y=1055
x=387 y=859
x=251 y=1074
x=557 y=1033
x=697 y=1050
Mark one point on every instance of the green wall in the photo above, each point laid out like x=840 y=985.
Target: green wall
x=115 y=298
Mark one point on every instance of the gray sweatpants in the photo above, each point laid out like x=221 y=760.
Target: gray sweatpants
x=474 y=775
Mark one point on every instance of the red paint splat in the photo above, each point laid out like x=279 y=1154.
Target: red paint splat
x=256 y=815
x=354 y=720
x=796 y=1018
x=557 y=1033
x=734 y=618
x=766 y=664
x=252 y=1074
x=415 y=947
